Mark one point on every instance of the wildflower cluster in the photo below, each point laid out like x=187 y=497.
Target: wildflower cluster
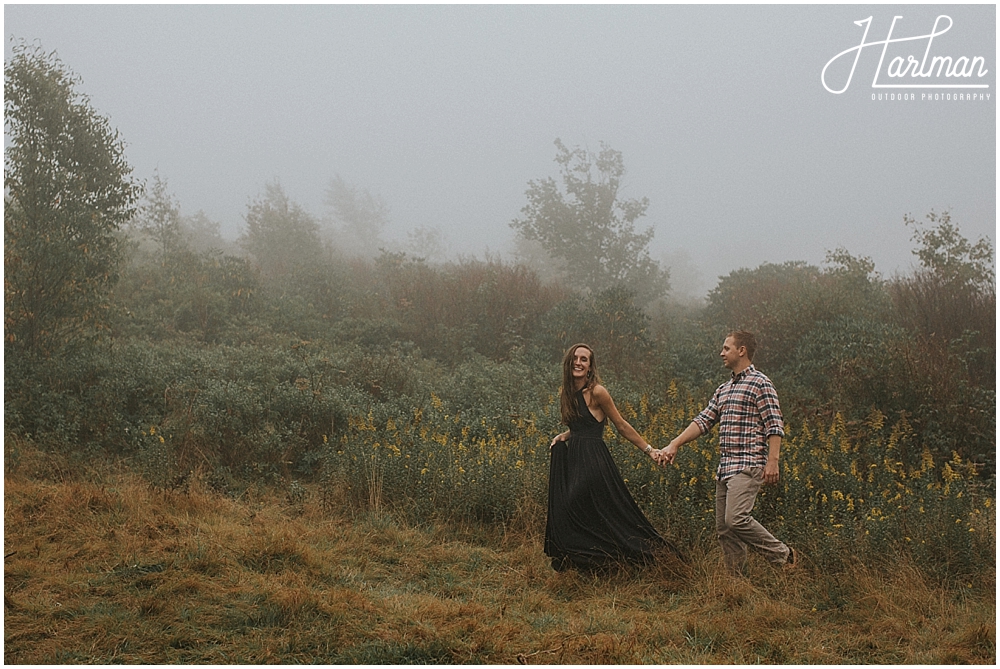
x=839 y=495
x=433 y=463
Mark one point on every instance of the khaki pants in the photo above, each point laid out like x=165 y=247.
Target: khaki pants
x=737 y=529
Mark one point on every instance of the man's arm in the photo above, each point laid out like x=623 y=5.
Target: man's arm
x=770 y=414
x=771 y=469
x=667 y=454
x=701 y=424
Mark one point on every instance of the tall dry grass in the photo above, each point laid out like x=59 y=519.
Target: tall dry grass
x=101 y=568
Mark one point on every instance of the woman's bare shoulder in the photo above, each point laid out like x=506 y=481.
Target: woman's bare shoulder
x=600 y=393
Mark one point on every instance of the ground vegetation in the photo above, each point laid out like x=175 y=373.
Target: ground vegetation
x=278 y=452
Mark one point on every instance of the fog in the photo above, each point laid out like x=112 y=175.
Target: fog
x=445 y=113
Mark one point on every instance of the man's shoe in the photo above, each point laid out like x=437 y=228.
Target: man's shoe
x=792 y=561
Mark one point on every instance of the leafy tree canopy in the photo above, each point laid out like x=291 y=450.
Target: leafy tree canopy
x=949 y=256
x=358 y=217
x=588 y=229
x=68 y=190
x=160 y=218
x=282 y=237
x=783 y=303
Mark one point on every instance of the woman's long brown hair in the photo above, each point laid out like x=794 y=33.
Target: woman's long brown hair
x=567 y=394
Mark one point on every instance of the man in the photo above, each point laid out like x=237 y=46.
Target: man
x=750 y=431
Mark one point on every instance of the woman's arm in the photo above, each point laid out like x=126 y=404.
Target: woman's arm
x=603 y=399
x=559 y=437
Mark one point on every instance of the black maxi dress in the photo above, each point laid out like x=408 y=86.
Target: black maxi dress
x=593 y=522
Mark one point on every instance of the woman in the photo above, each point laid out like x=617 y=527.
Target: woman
x=593 y=521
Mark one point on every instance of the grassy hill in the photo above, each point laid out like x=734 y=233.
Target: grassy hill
x=100 y=567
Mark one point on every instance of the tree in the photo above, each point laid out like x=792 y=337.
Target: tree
x=359 y=218
x=282 y=237
x=951 y=298
x=427 y=243
x=200 y=233
x=947 y=254
x=785 y=303
x=68 y=191
x=160 y=218
x=588 y=229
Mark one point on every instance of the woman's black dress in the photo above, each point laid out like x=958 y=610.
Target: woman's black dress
x=593 y=521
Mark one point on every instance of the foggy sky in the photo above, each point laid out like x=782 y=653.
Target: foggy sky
x=447 y=112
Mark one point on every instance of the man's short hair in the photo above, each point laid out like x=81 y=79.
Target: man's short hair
x=746 y=339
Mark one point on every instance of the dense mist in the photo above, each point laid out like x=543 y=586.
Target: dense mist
x=437 y=118
x=293 y=294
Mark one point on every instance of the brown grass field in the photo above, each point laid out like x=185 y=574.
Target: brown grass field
x=101 y=568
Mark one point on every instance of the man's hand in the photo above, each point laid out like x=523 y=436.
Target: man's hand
x=667 y=454
x=690 y=433
x=773 y=453
x=771 y=470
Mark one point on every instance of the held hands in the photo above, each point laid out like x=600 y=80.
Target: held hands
x=665 y=456
x=657 y=455
x=651 y=452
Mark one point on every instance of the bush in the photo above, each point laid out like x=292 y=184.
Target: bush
x=208 y=297
x=610 y=322
x=841 y=495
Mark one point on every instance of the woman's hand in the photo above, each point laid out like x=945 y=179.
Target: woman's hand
x=559 y=437
x=667 y=455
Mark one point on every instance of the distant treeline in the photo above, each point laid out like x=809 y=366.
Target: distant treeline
x=224 y=344
x=429 y=389
x=122 y=316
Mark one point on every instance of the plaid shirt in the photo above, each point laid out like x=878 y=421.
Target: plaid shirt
x=746 y=409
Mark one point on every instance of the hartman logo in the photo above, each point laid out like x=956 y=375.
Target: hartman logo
x=909 y=62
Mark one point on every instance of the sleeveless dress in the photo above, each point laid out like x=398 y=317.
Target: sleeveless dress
x=593 y=521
